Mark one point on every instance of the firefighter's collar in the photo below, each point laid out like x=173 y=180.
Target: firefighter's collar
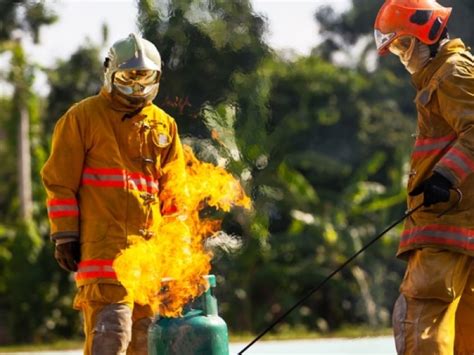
x=453 y=46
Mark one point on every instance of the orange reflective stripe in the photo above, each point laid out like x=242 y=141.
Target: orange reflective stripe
x=103 y=177
x=142 y=182
x=65 y=201
x=91 y=269
x=439 y=234
x=62 y=208
x=104 y=171
x=58 y=214
x=458 y=161
x=455 y=168
x=94 y=262
x=432 y=146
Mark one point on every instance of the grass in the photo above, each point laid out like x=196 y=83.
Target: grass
x=58 y=345
x=283 y=334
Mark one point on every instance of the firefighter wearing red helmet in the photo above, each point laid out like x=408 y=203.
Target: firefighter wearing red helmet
x=434 y=313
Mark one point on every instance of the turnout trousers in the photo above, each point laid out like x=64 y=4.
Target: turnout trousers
x=434 y=314
x=113 y=325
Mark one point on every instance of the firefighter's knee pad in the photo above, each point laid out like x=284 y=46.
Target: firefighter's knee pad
x=139 y=343
x=398 y=322
x=112 y=330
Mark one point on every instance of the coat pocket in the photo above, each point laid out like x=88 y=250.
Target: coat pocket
x=160 y=137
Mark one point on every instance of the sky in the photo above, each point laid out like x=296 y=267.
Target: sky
x=291 y=26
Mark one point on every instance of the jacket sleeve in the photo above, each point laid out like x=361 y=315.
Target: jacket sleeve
x=172 y=180
x=456 y=101
x=61 y=177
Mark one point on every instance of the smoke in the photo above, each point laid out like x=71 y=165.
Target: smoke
x=222 y=243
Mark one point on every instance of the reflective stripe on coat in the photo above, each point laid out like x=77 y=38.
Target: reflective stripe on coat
x=105 y=177
x=444 y=143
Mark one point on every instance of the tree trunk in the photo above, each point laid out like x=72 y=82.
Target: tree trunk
x=24 y=165
x=367 y=299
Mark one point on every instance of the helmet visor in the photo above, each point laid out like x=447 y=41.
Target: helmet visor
x=401 y=45
x=136 y=82
x=382 y=40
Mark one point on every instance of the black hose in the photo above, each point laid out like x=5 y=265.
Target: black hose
x=322 y=283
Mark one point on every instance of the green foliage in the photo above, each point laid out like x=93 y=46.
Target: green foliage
x=35 y=296
x=321 y=149
x=24 y=15
x=204 y=44
x=72 y=80
x=342 y=31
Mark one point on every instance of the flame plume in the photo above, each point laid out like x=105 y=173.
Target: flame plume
x=166 y=270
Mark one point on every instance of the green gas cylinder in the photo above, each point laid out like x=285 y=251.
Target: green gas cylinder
x=200 y=331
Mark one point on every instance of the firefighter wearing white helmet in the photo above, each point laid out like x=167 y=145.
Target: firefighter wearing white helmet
x=107 y=184
x=133 y=70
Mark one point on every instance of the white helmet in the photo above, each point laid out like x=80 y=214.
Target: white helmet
x=133 y=67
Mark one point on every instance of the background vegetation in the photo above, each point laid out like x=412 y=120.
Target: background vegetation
x=320 y=142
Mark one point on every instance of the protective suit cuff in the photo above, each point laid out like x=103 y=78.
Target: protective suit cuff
x=448 y=175
x=64 y=237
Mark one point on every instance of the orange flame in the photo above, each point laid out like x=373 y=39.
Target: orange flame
x=176 y=251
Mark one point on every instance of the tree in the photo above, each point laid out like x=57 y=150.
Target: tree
x=25 y=260
x=342 y=31
x=204 y=44
x=72 y=80
x=307 y=138
x=20 y=18
x=325 y=156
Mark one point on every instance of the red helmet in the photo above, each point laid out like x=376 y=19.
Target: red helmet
x=423 y=19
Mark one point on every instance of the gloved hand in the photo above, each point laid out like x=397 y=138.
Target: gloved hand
x=68 y=255
x=435 y=189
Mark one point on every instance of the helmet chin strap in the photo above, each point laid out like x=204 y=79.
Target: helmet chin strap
x=434 y=48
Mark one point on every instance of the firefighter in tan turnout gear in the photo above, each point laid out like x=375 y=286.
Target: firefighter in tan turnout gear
x=435 y=311
x=106 y=182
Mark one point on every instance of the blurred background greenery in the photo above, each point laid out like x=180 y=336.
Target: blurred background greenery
x=320 y=143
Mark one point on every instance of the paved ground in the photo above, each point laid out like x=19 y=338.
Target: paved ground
x=366 y=346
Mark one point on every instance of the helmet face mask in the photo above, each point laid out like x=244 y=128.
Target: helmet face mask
x=133 y=69
x=402 y=45
x=137 y=83
x=382 y=38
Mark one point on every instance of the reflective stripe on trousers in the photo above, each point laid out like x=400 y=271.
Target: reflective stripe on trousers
x=97 y=268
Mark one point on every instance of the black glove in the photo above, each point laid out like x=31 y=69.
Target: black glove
x=435 y=189
x=68 y=255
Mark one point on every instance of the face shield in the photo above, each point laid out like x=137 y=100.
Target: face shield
x=132 y=71
x=402 y=46
x=382 y=40
x=136 y=83
x=413 y=54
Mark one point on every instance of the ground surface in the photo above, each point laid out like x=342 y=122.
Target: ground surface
x=366 y=346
